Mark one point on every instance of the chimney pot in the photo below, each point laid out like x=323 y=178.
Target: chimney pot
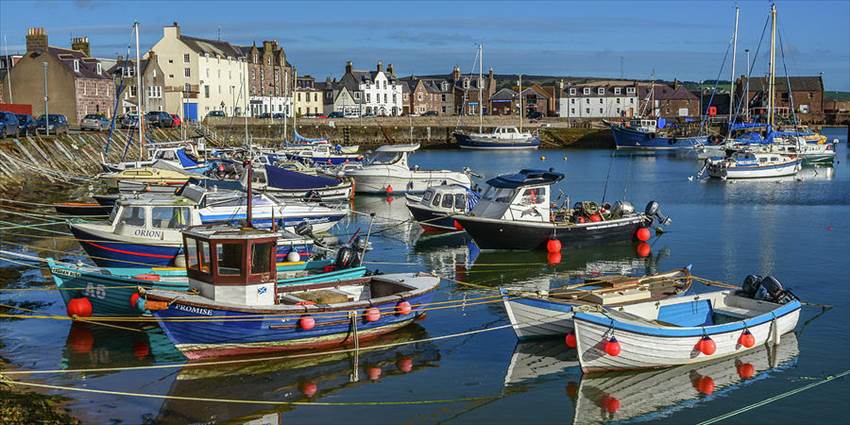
x=36 y=40
x=380 y=66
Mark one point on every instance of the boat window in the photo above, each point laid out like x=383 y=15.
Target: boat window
x=504 y=195
x=489 y=193
x=192 y=253
x=384 y=158
x=259 y=178
x=168 y=155
x=113 y=213
x=762 y=159
x=448 y=200
x=204 y=251
x=132 y=216
x=426 y=197
x=460 y=202
x=261 y=257
x=229 y=258
x=534 y=195
x=437 y=199
x=169 y=217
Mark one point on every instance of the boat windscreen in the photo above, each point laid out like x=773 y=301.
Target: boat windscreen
x=384 y=158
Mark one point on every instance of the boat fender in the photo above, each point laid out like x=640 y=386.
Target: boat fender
x=152 y=277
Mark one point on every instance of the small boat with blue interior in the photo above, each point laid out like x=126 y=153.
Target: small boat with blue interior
x=435 y=208
x=748 y=164
x=387 y=171
x=685 y=330
x=182 y=155
x=231 y=274
x=289 y=184
x=515 y=213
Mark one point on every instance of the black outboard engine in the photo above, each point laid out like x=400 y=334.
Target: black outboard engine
x=653 y=210
x=346 y=257
x=304 y=229
x=766 y=289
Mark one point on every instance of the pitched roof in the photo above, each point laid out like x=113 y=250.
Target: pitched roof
x=87 y=65
x=212 y=47
x=665 y=92
x=504 y=94
x=797 y=83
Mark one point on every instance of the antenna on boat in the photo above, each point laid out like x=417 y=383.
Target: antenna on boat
x=732 y=80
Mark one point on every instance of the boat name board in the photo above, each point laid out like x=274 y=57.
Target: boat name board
x=66 y=273
x=147 y=233
x=195 y=310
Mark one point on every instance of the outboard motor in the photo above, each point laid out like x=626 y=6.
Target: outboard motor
x=653 y=210
x=304 y=229
x=766 y=288
x=346 y=257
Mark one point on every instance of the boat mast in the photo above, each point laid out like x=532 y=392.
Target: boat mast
x=480 y=88
x=771 y=97
x=747 y=90
x=520 y=103
x=294 y=113
x=9 y=67
x=734 y=56
x=285 y=104
x=139 y=94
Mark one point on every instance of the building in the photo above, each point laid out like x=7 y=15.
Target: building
x=77 y=84
x=505 y=102
x=6 y=63
x=425 y=96
x=270 y=78
x=308 y=98
x=667 y=101
x=806 y=95
x=202 y=75
x=599 y=99
x=153 y=84
x=536 y=98
x=465 y=91
x=376 y=92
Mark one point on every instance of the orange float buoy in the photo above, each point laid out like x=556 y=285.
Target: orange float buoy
x=134 y=299
x=745 y=370
x=610 y=404
x=706 y=345
x=581 y=219
x=570 y=340
x=553 y=258
x=307 y=322
x=643 y=234
x=79 y=307
x=747 y=339
x=389 y=189
x=612 y=347
x=141 y=349
x=705 y=385
x=372 y=314
x=309 y=388
x=389 y=199
x=404 y=364
x=596 y=218
x=81 y=339
x=403 y=308
x=374 y=373
x=553 y=245
x=643 y=249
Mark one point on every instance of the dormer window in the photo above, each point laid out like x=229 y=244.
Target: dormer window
x=600 y=91
x=630 y=90
x=99 y=69
x=76 y=65
x=466 y=83
x=618 y=90
x=586 y=90
x=445 y=86
x=572 y=92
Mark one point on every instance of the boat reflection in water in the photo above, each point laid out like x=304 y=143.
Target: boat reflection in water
x=92 y=346
x=308 y=378
x=392 y=217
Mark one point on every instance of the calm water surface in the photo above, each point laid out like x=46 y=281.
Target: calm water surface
x=796 y=229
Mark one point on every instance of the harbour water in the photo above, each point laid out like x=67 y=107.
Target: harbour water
x=796 y=229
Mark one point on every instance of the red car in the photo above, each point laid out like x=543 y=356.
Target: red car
x=175 y=119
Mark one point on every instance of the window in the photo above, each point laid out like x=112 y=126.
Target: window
x=128 y=71
x=572 y=110
x=169 y=217
x=229 y=258
x=618 y=90
x=448 y=201
x=586 y=90
x=261 y=257
x=600 y=91
x=587 y=110
x=460 y=201
x=572 y=92
x=426 y=197
x=534 y=195
x=76 y=65
x=187 y=72
x=572 y=101
x=466 y=83
x=191 y=254
x=600 y=110
x=132 y=91
x=618 y=100
x=204 y=256
x=99 y=69
x=132 y=216
x=632 y=100
x=437 y=198
x=187 y=88
x=185 y=58
x=600 y=100
x=630 y=90
x=368 y=99
x=587 y=101
x=207 y=91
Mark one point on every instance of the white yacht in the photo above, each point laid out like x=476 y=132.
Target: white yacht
x=387 y=171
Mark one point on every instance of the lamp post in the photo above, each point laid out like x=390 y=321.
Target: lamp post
x=46 y=99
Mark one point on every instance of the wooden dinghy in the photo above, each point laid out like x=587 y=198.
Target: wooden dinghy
x=684 y=330
x=550 y=313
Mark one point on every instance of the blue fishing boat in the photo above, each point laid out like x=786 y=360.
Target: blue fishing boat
x=645 y=133
x=236 y=307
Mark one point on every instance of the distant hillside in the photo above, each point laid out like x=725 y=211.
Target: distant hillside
x=837 y=95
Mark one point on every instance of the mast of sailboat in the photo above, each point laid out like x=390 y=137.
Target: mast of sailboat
x=480 y=88
x=520 y=103
x=9 y=67
x=771 y=97
x=732 y=80
x=139 y=94
x=294 y=113
x=285 y=104
x=747 y=90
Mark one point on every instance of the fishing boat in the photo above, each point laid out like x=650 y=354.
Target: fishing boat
x=289 y=184
x=748 y=164
x=435 y=208
x=645 y=133
x=502 y=138
x=387 y=171
x=550 y=312
x=181 y=155
x=231 y=273
x=145 y=230
x=144 y=179
x=82 y=209
x=515 y=213
x=685 y=330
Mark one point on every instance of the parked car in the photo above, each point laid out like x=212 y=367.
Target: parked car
x=176 y=122
x=56 y=124
x=128 y=120
x=336 y=114
x=95 y=122
x=278 y=115
x=534 y=115
x=26 y=124
x=430 y=114
x=263 y=116
x=216 y=114
x=8 y=124
x=159 y=119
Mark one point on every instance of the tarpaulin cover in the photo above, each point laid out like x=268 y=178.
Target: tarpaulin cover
x=286 y=179
x=185 y=161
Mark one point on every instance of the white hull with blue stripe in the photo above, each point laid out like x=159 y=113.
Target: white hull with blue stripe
x=666 y=333
x=753 y=165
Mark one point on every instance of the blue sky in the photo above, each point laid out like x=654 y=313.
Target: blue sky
x=684 y=40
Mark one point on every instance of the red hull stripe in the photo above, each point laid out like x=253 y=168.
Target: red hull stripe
x=121 y=251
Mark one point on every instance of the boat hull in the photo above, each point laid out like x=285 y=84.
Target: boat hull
x=532 y=318
x=627 y=138
x=508 y=234
x=466 y=141
x=717 y=170
x=340 y=192
x=413 y=182
x=431 y=220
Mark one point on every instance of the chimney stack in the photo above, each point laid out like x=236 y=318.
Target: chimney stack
x=348 y=67
x=81 y=44
x=456 y=73
x=36 y=40
x=390 y=69
x=172 y=31
x=380 y=66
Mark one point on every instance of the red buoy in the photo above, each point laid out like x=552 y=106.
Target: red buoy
x=457 y=225
x=572 y=390
x=596 y=218
x=79 y=307
x=570 y=340
x=403 y=308
x=612 y=347
x=328 y=268
x=706 y=345
x=374 y=373
x=745 y=370
x=389 y=199
x=553 y=258
x=141 y=349
x=643 y=249
x=581 y=219
x=133 y=299
x=389 y=189
x=553 y=245
x=643 y=234
x=80 y=339
x=309 y=388
x=610 y=404
x=307 y=322
x=404 y=364
x=372 y=314
x=747 y=339
x=705 y=385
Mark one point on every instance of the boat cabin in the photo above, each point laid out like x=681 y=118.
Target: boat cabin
x=152 y=218
x=644 y=125
x=508 y=133
x=232 y=265
x=391 y=155
x=452 y=199
x=523 y=196
x=754 y=159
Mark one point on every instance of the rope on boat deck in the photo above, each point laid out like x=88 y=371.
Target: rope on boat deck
x=778 y=397
x=247 y=401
